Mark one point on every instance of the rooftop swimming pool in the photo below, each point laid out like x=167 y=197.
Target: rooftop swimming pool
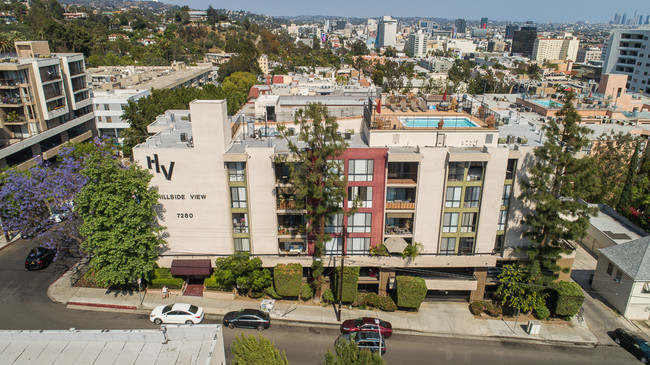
x=549 y=104
x=432 y=122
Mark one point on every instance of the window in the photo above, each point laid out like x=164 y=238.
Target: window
x=472 y=196
x=610 y=268
x=109 y=119
x=360 y=223
x=360 y=170
x=456 y=171
x=503 y=217
x=363 y=192
x=453 y=197
x=510 y=169
x=450 y=223
x=358 y=245
x=498 y=244
x=240 y=222
x=237 y=171
x=107 y=107
x=466 y=245
x=448 y=246
x=469 y=222
x=242 y=244
x=646 y=288
x=334 y=224
x=505 y=199
x=475 y=171
x=238 y=196
x=336 y=167
x=618 y=276
x=334 y=246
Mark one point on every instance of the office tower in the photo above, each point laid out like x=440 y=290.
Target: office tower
x=624 y=19
x=510 y=30
x=45 y=104
x=484 y=22
x=617 y=18
x=340 y=24
x=418 y=44
x=626 y=53
x=386 y=32
x=523 y=41
x=640 y=20
x=647 y=19
x=461 y=25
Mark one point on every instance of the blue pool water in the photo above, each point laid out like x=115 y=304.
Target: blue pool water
x=549 y=103
x=432 y=122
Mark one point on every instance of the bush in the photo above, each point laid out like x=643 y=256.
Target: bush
x=162 y=272
x=350 y=281
x=493 y=310
x=542 y=313
x=306 y=292
x=89 y=281
x=171 y=283
x=211 y=283
x=410 y=291
x=255 y=295
x=240 y=269
x=288 y=279
x=565 y=299
x=387 y=304
x=412 y=251
x=379 y=250
x=328 y=296
x=477 y=308
x=272 y=293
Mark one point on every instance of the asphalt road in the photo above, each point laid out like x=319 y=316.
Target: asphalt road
x=24 y=305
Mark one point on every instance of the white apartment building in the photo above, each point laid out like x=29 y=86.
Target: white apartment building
x=628 y=52
x=440 y=179
x=418 y=44
x=387 y=32
x=463 y=46
x=44 y=103
x=263 y=62
x=549 y=49
x=591 y=54
x=109 y=106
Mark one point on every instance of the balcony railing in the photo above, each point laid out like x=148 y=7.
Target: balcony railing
x=400 y=205
x=287 y=205
x=76 y=71
x=398 y=231
x=11 y=101
x=53 y=94
x=50 y=76
x=8 y=82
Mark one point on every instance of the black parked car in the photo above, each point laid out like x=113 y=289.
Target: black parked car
x=39 y=258
x=247 y=318
x=634 y=343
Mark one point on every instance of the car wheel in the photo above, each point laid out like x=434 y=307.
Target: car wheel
x=260 y=327
x=189 y=322
x=644 y=360
x=231 y=326
x=617 y=340
x=157 y=321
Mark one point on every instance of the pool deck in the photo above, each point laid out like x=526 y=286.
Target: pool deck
x=391 y=119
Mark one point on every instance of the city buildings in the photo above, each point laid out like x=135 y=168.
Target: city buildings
x=627 y=51
x=156 y=77
x=44 y=103
x=386 y=32
x=589 y=54
x=563 y=48
x=440 y=179
x=510 y=30
x=461 y=25
x=523 y=41
x=109 y=106
x=484 y=23
x=417 y=44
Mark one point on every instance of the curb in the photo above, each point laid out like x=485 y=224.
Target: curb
x=16 y=238
x=111 y=306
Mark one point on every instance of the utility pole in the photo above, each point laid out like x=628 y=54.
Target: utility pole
x=338 y=313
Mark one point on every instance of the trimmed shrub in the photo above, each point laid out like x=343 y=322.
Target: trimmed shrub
x=288 y=279
x=350 y=281
x=255 y=295
x=328 y=296
x=89 y=281
x=565 y=299
x=163 y=277
x=477 y=308
x=271 y=292
x=306 y=292
x=410 y=291
x=542 y=313
x=387 y=304
x=211 y=283
x=493 y=310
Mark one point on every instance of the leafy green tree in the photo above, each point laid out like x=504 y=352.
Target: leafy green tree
x=317 y=177
x=241 y=270
x=348 y=353
x=358 y=48
x=628 y=187
x=119 y=220
x=253 y=351
x=517 y=290
x=236 y=88
x=378 y=77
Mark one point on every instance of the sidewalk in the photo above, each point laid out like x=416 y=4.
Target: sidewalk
x=433 y=319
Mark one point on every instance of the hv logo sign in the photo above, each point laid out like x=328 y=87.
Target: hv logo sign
x=155 y=165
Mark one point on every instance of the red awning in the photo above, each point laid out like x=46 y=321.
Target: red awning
x=191 y=267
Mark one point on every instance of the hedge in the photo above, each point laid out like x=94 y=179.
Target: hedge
x=350 y=281
x=542 y=313
x=410 y=291
x=376 y=301
x=288 y=279
x=211 y=283
x=163 y=277
x=271 y=292
x=565 y=299
x=328 y=296
x=306 y=292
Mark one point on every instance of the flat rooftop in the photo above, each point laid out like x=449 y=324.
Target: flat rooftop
x=610 y=225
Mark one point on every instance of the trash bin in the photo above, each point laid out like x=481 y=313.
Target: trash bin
x=533 y=327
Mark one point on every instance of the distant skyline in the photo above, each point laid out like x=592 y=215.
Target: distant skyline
x=556 y=11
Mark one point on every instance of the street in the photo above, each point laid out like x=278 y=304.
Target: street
x=24 y=305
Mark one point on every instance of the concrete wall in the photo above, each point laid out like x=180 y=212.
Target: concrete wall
x=430 y=193
x=434 y=137
x=616 y=293
x=491 y=195
x=638 y=307
x=261 y=199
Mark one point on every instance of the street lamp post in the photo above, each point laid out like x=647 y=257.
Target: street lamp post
x=379 y=331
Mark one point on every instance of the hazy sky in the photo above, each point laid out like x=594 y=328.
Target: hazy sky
x=556 y=11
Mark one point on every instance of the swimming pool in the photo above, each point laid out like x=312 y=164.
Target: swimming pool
x=432 y=122
x=547 y=103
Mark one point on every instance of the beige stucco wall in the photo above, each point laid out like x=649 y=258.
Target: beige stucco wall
x=491 y=195
x=615 y=293
x=515 y=230
x=638 y=306
x=464 y=138
x=261 y=201
x=428 y=210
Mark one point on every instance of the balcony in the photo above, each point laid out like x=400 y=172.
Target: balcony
x=74 y=71
x=292 y=247
x=400 y=198
x=46 y=77
x=51 y=94
x=395 y=230
x=8 y=83
x=291 y=230
x=397 y=205
x=286 y=204
x=11 y=101
x=15 y=120
x=402 y=173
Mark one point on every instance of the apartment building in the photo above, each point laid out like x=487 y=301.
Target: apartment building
x=387 y=32
x=436 y=178
x=627 y=51
x=523 y=41
x=418 y=44
x=109 y=106
x=586 y=55
x=45 y=102
x=549 y=49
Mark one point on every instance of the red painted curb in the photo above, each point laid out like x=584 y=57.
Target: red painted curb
x=114 y=306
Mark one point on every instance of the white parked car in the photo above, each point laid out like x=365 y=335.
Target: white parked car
x=177 y=313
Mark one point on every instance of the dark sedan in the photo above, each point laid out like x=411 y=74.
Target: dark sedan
x=39 y=258
x=247 y=318
x=367 y=324
x=634 y=343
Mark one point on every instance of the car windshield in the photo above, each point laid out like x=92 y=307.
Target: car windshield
x=383 y=323
x=33 y=252
x=167 y=308
x=644 y=345
x=194 y=309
